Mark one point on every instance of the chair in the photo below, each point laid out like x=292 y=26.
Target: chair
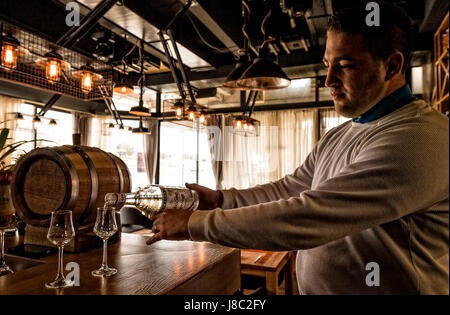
x=271 y=266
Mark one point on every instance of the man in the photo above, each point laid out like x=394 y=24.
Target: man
x=368 y=209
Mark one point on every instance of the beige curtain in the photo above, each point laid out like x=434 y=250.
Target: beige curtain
x=329 y=119
x=82 y=125
x=151 y=148
x=9 y=106
x=215 y=130
x=285 y=139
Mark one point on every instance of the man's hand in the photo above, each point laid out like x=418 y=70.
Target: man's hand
x=209 y=199
x=170 y=225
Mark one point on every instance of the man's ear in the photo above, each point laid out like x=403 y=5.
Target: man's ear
x=394 y=65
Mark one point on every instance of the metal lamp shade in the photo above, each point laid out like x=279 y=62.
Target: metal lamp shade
x=262 y=75
x=231 y=82
x=140 y=111
x=123 y=88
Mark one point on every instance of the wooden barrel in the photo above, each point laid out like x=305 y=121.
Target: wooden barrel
x=67 y=177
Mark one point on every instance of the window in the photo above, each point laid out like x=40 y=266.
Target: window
x=178 y=156
x=57 y=135
x=329 y=119
x=127 y=146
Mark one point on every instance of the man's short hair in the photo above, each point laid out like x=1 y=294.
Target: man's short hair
x=393 y=33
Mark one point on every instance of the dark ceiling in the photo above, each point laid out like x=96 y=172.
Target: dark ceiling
x=208 y=34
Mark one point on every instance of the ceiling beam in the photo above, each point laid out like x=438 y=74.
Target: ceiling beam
x=200 y=13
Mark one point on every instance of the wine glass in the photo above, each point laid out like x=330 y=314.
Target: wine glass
x=60 y=233
x=105 y=227
x=6 y=225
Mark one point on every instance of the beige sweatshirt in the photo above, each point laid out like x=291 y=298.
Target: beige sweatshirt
x=367 y=211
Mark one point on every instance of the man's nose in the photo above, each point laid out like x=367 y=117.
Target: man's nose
x=332 y=79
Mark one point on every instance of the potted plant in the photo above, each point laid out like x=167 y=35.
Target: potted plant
x=6 y=209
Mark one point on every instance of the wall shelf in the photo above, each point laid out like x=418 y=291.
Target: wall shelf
x=441 y=64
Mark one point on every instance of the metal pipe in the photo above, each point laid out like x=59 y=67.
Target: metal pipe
x=181 y=66
x=178 y=15
x=171 y=65
x=76 y=33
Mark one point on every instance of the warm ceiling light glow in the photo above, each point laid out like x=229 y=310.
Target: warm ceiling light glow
x=52 y=122
x=10 y=51
x=36 y=119
x=9 y=56
x=87 y=81
x=179 y=109
x=111 y=125
x=123 y=88
x=191 y=115
x=238 y=124
x=88 y=76
x=54 y=64
x=202 y=118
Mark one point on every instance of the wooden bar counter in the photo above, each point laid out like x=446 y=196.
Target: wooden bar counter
x=165 y=267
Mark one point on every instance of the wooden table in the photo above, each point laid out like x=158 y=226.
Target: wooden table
x=165 y=267
x=268 y=265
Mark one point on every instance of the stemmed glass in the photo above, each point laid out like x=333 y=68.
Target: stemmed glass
x=105 y=227
x=6 y=225
x=60 y=233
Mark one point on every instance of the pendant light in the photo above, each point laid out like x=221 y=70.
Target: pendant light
x=231 y=82
x=123 y=87
x=88 y=77
x=11 y=49
x=141 y=129
x=264 y=74
x=179 y=109
x=36 y=119
x=52 y=122
x=191 y=112
x=141 y=110
x=53 y=64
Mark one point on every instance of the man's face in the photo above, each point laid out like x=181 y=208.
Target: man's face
x=356 y=80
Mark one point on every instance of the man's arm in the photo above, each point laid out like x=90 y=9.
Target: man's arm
x=395 y=175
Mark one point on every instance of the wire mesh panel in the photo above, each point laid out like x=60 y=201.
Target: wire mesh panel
x=33 y=54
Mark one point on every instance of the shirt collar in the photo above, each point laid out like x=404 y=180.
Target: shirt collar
x=387 y=105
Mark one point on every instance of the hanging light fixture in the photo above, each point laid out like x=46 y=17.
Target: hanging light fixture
x=36 y=119
x=231 y=82
x=264 y=74
x=121 y=127
x=179 y=109
x=123 y=87
x=11 y=49
x=191 y=112
x=19 y=116
x=53 y=64
x=202 y=118
x=52 y=122
x=141 y=110
x=88 y=77
x=111 y=125
x=141 y=129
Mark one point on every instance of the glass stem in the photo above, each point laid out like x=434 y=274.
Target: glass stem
x=2 y=244
x=60 y=262
x=105 y=247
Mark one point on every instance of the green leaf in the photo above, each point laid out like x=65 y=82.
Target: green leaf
x=3 y=136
